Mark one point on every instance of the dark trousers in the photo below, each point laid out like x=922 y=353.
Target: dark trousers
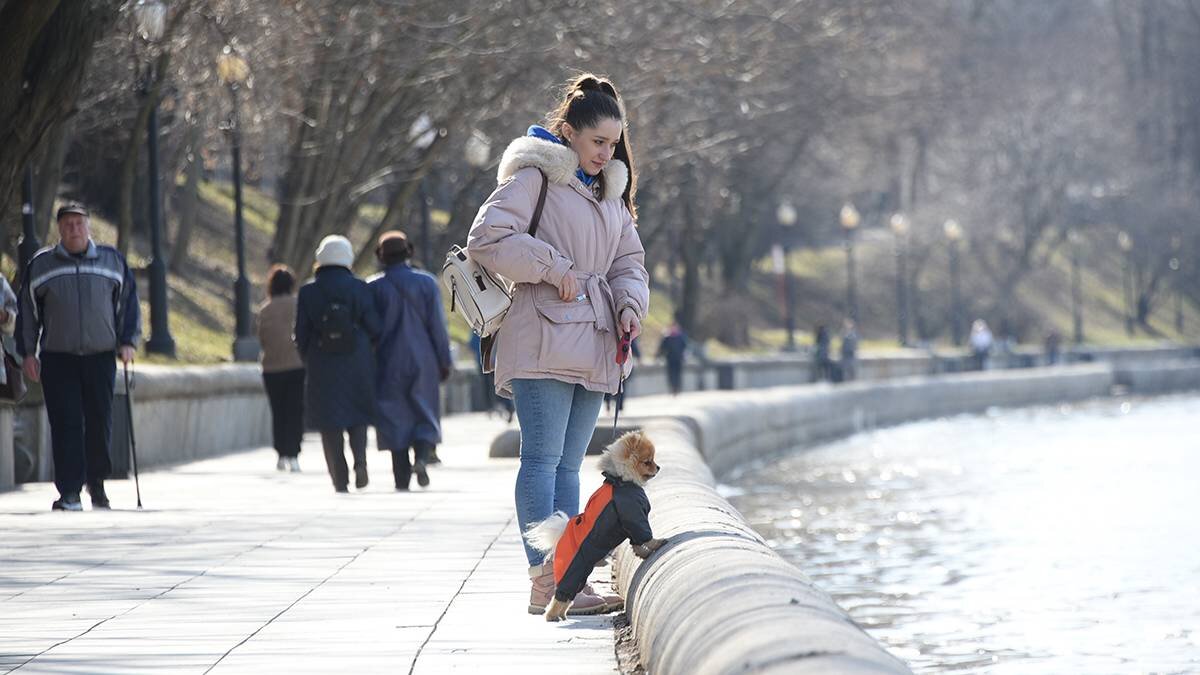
x=78 y=391
x=402 y=467
x=675 y=376
x=335 y=453
x=285 y=391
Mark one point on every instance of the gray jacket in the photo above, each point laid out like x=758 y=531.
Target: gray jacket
x=85 y=304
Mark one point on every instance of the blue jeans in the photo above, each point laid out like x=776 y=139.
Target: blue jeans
x=557 y=420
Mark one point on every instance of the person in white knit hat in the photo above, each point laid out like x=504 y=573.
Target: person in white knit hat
x=337 y=325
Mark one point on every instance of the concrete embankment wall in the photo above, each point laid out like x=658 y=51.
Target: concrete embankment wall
x=180 y=414
x=717 y=599
x=187 y=413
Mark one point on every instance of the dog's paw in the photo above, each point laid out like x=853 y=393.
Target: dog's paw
x=557 y=610
x=645 y=550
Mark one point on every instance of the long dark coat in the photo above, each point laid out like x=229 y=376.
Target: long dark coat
x=338 y=388
x=413 y=350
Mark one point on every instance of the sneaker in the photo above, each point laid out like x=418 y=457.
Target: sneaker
x=422 y=474
x=71 y=503
x=99 y=496
x=282 y=464
x=294 y=464
x=360 y=477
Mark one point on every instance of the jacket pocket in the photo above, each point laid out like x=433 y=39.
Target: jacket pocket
x=570 y=340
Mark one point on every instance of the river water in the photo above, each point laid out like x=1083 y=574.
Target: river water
x=1049 y=540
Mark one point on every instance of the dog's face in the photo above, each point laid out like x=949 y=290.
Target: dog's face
x=635 y=451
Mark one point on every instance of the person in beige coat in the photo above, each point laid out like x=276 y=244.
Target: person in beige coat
x=579 y=285
x=283 y=371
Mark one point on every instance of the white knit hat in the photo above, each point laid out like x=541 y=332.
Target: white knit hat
x=335 y=251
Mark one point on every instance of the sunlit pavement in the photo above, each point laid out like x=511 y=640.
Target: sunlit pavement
x=235 y=567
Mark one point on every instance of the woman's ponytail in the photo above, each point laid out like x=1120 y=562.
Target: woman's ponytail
x=586 y=101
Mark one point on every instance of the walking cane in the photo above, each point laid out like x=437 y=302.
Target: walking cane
x=132 y=438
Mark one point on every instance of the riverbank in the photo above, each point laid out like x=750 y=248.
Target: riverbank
x=717 y=599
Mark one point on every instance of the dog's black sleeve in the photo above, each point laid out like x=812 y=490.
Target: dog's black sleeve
x=633 y=512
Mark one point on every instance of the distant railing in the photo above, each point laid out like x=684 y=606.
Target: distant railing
x=190 y=412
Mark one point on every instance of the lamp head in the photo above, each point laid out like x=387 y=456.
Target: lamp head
x=786 y=214
x=231 y=68
x=1125 y=241
x=151 y=16
x=849 y=216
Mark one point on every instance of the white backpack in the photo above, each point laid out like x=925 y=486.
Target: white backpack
x=480 y=297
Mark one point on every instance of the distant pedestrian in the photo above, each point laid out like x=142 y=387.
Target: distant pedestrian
x=849 y=351
x=337 y=325
x=579 y=284
x=1053 y=347
x=672 y=349
x=78 y=314
x=413 y=357
x=822 y=363
x=283 y=370
x=981 y=344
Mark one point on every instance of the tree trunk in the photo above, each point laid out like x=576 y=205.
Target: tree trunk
x=46 y=180
x=189 y=199
x=391 y=218
x=44 y=50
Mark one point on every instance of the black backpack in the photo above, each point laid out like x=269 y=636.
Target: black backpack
x=336 y=327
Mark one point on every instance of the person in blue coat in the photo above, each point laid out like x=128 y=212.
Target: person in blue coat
x=414 y=358
x=337 y=325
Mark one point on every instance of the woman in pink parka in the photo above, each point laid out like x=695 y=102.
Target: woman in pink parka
x=578 y=286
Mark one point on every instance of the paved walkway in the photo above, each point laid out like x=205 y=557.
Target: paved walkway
x=234 y=567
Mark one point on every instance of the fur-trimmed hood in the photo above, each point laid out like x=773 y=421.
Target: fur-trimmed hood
x=559 y=162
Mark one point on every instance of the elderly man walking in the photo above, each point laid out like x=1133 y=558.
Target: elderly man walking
x=79 y=310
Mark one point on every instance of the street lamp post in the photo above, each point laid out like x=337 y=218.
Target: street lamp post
x=953 y=232
x=150 y=19
x=849 y=218
x=29 y=243
x=1176 y=270
x=423 y=134
x=233 y=71
x=1125 y=242
x=786 y=215
x=1075 y=240
x=900 y=226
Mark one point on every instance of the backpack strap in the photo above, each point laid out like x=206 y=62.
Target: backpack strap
x=541 y=202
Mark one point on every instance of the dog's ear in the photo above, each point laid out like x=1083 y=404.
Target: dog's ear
x=626 y=446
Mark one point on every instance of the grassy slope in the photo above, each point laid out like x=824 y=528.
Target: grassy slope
x=201 y=295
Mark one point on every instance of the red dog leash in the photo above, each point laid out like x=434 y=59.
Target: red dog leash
x=623 y=347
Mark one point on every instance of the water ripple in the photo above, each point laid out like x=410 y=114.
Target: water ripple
x=1051 y=540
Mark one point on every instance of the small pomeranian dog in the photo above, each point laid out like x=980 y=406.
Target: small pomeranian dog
x=619 y=510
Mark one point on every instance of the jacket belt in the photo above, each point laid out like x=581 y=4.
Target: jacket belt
x=600 y=295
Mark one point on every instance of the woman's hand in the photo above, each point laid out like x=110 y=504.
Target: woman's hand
x=630 y=323
x=568 y=288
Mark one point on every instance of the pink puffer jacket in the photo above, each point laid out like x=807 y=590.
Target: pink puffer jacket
x=543 y=337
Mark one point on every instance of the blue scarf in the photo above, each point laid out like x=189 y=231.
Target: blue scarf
x=539 y=131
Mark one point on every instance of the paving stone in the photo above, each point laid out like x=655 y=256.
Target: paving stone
x=235 y=564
